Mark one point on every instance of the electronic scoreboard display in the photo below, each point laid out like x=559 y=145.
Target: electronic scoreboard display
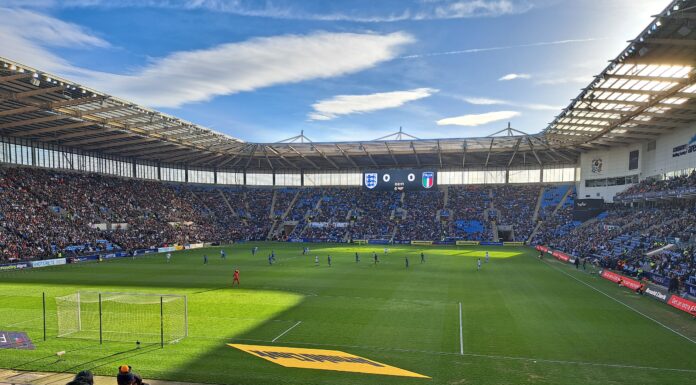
x=399 y=180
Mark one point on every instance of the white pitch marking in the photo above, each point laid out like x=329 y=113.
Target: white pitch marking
x=283 y=333
x=628 y=306
x=461 y=331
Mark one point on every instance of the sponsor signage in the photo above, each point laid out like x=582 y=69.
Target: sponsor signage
x=323 y=360
x=685 y=149
x=543 y=249
x=657 y=293
x=400 y=180
x=490 y=243
x=15 y=340
x=513 y=243
x=378 y=241
x=617 y=278
x=49 y=262
x=467 y=243
x=422 y=243
x=682 y=304
x=166 y=249
x=561 y=256
x=15 y=266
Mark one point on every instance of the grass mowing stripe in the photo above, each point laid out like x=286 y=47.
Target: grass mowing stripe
x=624 y=304
x=285 y=332
x=477 y=355
x=461 y=331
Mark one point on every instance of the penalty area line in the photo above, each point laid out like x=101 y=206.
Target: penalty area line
x=285 y=332
x=622 y=303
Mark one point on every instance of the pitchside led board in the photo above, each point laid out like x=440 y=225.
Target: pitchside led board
x=399 y=180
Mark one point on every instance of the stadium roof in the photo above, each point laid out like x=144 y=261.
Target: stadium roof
x=45 y=108
x=647 y=90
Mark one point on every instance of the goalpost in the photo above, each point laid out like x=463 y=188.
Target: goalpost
x=123 y=317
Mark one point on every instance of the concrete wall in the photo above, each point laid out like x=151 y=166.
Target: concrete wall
x=657 y=162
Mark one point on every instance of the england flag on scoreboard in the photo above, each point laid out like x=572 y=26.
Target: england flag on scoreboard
x=428 y=179
x=371 y=180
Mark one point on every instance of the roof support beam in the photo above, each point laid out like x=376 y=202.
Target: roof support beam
x=85 y=133
x=280 y=156
x=28 y=122
x=645 y=78
x=517 y=146
x=488 y=156
x=368 y=154
x=180 y=158
x=303 y=157
x=531 y=147
x=674 y=42
x=28 y=94
x=97 y=139
x=464 y=153
x=9 y=78
x=52 y=129
x=265 y=154
x=439 y=152
x=132 y=140
x=415 y=154
x=396 y=163
x=346 y=156
x=206 y=159
x=326 y=157
x=145 y=148
x=251 y=156
x=19 y=110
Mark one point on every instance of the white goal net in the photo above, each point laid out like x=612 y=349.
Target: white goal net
x=122 y=317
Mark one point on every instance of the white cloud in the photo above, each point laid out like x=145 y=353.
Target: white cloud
x=514 y=76
x=479 y=101
x=435 y=10
x=26 y=35
x=194 y=76
x=199 y=75
x=499 y=48
x=473 y=120
x=478 y=8
x=484 y=101
x=355 y=104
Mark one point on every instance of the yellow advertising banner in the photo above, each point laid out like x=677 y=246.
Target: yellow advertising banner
x=422 y=243
x=323 y=360
x=467 y=243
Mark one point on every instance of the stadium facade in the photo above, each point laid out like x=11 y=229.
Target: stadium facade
x=634 y=121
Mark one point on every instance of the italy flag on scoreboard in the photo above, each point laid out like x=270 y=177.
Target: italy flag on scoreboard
x=428 y=179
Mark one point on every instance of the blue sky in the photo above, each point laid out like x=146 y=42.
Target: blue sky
x=341 y=70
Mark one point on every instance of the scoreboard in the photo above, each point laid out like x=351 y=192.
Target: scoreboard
x=399 y=180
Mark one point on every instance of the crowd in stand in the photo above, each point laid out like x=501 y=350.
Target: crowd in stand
x=421 y=221
x=516 y=206
x=654 y=185
x=45 y=213
x=466 y=208
x=631 y=239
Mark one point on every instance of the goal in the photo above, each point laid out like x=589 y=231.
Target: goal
x=123 y=317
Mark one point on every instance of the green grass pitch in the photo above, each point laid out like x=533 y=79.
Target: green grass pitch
x=525 y=321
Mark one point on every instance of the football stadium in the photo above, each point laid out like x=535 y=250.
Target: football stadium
x=181 y=206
